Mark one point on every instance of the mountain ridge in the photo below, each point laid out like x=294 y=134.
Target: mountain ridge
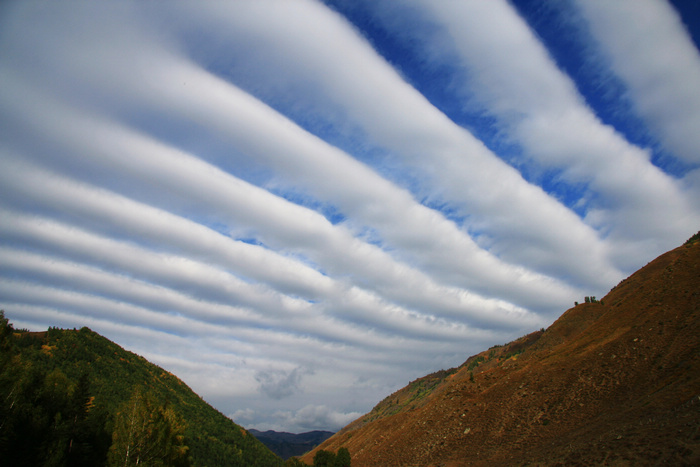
x=610 y=381
x=288 y=445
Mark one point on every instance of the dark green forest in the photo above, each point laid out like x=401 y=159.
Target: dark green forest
x=324 y=458
x=74 y=398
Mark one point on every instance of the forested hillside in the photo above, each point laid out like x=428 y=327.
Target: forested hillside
x=72 y=397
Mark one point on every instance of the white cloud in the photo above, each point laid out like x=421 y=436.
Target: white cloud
x=279 y=384
x=448 y=158
x=650 y=49
x=286 y=225
x=521 y=84
x=308 y=418
x=108 y=213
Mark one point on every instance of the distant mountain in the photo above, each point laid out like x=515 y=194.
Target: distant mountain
x=66 y=396
x=288 y=445
x=611 y=382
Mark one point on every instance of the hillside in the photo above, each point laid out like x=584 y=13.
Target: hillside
x=613 y=382
x=63 y=393
x=288 y=445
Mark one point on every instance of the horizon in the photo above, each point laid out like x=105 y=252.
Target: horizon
x=298 y=207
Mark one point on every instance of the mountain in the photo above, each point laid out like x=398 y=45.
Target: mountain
x=611 y=382
x=288 y=445
x=68 y=395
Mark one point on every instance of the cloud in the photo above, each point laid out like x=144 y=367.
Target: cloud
x=649 y=47
x=397 y=118
x=308 y=418
x=279 y=384
x=108 y=214
x=312 y=417
x=284 y=224
x=521 y=84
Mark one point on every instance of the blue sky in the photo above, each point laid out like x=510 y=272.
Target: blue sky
x=298 y=207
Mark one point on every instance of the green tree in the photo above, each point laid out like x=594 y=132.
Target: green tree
x=5 y=327
x=342 y=458
x=9 y=374
x=86 y=438
x=294 y=462
x=324 y=459
x=53 y=407
x=147 y=433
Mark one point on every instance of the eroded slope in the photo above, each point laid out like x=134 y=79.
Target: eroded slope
x=616 y=381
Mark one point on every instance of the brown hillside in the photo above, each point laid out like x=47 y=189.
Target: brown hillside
x=614 y=383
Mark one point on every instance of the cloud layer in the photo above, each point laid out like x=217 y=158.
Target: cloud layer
x=280 y=203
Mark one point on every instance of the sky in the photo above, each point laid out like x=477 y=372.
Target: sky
x=299 y=207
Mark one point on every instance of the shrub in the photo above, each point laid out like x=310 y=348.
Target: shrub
x=324 y=459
